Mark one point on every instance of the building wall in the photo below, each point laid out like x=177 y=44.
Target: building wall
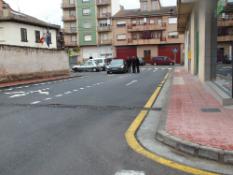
x=153 y=49
x=96 y=52
x=10 y=35
x=24 y=62
x=83 y=19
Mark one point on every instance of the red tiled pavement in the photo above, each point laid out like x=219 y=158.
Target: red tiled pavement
x=186 y=120
x=23 y=82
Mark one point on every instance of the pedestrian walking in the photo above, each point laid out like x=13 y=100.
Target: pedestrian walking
x=134 y=64
x=137 y=65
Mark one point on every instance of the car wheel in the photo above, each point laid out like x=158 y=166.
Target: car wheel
x=94 y=70
x=75 y=70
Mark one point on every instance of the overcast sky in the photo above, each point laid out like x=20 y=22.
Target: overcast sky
x=50 y=10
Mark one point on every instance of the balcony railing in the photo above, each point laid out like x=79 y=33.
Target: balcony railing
x=71 y=43
x=104 y=15
x=67 y=6
x=226 y=38
x=103 y=2
x=104 y=28
x=144 y=41
x=108 y=41
x=72 y=30
x=133 y=28
x=69 y=18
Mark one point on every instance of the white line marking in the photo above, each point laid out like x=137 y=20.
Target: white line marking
x=25 y=86
x=88 y=86
x=59 y=95
x=10 y=89
x=35 y=102
x=47 y=99
x=132 y=82
x=155 y=71
x=68 y=92
x=130 y=172
x=75 y=90
x=82 y=88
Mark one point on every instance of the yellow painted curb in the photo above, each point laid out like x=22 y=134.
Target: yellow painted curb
x=130 y=136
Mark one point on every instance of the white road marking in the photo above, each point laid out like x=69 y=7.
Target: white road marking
x=10 y=89
x=47 y=99
x=59 y=95
x=170 y=68
x=35 y=102
x=75 y=90
x=155 y=71
x=25 y=86
x=88 y=86
x=132 y=82
x=130 y=172
x=68 y=92
x=82 y=88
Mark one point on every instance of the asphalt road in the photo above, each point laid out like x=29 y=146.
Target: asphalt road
x=76 y=126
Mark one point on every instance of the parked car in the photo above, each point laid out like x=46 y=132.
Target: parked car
x=89 y=65
x=142 y=61
x=162 y=60
x=102 y=62
x=117 y=66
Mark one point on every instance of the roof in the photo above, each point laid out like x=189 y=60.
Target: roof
x=130 y=13
x=26 y=19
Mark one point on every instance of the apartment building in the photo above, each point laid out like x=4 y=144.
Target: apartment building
x=88 y=26
x=225 y=34
x=147 y=32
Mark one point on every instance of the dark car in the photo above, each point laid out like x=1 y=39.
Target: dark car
x=117 y=66
x=162 y=60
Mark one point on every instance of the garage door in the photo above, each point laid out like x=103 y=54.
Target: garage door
x=125 y=52
x=172 y=51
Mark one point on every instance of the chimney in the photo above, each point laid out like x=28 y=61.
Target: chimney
x=1 y=7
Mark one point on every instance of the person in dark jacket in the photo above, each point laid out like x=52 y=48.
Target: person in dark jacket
x=128 y=61
x=137 y=65
x=134 y=64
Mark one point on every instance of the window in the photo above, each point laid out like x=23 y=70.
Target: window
x=72 y=13
x=121 y=37
x=87 y=37
x=23 y=35
x=172 y=20
x=86 y=11
x=73 y=38
x=173 y=35
x=72 y=1
x=37 y=36
x=144 y=6
x=121 y=23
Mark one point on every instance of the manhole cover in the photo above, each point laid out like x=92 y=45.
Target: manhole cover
x=210 y=110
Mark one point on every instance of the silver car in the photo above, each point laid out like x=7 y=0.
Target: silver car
x=88 y=66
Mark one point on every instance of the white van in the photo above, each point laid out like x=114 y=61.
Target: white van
x=101 y=62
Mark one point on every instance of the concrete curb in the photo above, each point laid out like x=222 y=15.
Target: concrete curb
x=38 y=81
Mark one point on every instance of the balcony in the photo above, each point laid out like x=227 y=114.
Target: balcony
x=68 y=6
x=105 y=42
x=104 y=15
x=225 y=22
x=71 y=44
x=144 y=41
x=226 y=38
x=103 y=2
x=72 y=30
x=104 y=28
x=146 y=27
x=69 y=18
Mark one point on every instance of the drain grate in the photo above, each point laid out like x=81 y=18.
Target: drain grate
x=210 y=110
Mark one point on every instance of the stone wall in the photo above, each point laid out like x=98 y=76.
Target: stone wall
x=20 y=63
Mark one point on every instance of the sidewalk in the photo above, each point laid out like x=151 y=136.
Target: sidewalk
x=32 y=81
x=194 y=115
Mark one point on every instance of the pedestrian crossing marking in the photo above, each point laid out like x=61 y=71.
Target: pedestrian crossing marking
x=130 y=172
